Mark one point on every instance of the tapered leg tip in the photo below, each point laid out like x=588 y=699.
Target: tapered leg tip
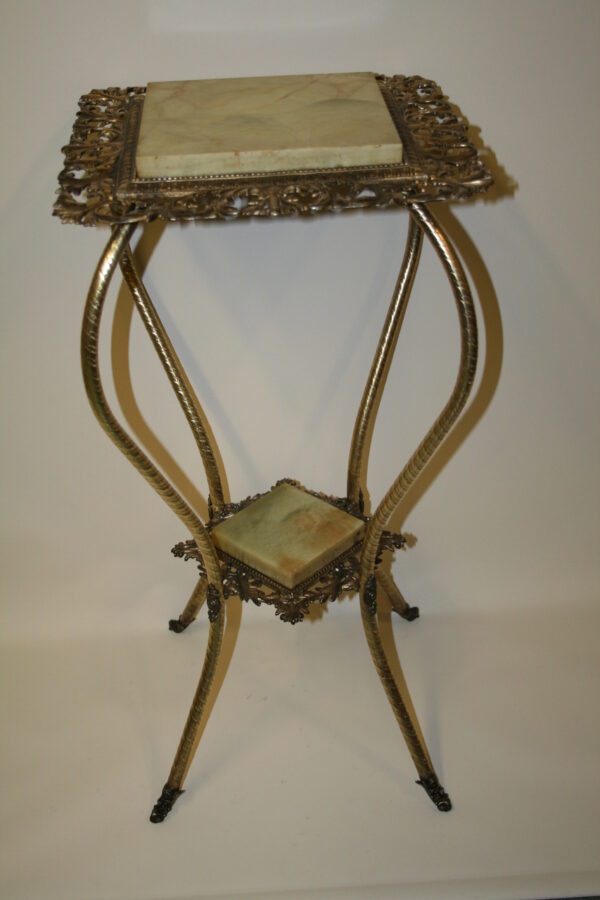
x=436 y=793
x=177 y=626
x=165 y=803
x=410 y=613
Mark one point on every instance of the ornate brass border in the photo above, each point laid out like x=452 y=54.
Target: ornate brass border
x=341 y=575
x=98 y=184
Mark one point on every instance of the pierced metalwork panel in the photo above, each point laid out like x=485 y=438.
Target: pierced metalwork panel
x=98 y=184
x=340 y=576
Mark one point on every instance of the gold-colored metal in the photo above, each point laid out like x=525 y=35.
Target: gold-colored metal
x=185 y=751
x=192 y=607
x=392 y=592
x=115 y=247
x=338 y=577
x=464 y=382
x=189 y=739
x=383 y=354
x=399 y=703
x=175 y=373
x=99 y=184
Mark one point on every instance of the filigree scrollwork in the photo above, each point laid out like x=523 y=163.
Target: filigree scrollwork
x=339 y=577
x=370 y=594
x=213 y=602
x=99 y=184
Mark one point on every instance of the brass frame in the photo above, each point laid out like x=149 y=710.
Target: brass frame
x=99 y=185
x=441 y=164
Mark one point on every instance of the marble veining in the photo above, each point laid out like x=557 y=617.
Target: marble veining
x=288 y=534
x=267 y=124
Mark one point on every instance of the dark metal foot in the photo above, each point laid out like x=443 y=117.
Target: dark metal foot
x=410 y=613
x=165 y=803
x=436 y=792
x=177 y=625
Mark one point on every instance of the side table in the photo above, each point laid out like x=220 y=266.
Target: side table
x=231 y=149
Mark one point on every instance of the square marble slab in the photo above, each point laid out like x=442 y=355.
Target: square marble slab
x=288 y=534
x=269 y=124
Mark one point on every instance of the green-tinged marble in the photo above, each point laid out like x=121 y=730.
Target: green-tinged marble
x=269 y=124
x=288 y=534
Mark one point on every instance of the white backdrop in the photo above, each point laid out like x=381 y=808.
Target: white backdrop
x=276 y=323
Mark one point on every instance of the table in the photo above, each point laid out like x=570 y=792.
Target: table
x=228 y=149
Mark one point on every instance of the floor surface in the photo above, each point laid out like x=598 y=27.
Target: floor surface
x=302 y=785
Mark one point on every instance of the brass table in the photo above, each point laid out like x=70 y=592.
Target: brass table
x=238 y=148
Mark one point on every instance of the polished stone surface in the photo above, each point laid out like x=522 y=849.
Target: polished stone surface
x=288 y=534
x=267 y=124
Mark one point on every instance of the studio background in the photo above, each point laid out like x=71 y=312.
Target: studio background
x=302 y=781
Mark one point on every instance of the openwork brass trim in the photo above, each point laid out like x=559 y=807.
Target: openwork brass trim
x=98 y=184
x=338 y=577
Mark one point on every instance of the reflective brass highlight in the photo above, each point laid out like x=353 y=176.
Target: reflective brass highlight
x=400 y=701
x=91 y=375
x=189 y=739
x=175 y=373
x=99 y=184
x=464 y=382
x=187 y=744
x=383 y=355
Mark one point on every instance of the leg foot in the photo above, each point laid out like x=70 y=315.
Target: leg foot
x=399 y=698
x=165 y=803
x=191 y=608
x=399 y=604
x=410 y=613
x=187 y=745
x=436 y=792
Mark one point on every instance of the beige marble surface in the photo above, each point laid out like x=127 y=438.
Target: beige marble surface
x=288 y=534
x=264 y=124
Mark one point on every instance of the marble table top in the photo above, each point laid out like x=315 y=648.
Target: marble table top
x=288 y=534
x=267 y=124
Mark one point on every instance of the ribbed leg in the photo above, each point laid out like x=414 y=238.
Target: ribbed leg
x=192 y=608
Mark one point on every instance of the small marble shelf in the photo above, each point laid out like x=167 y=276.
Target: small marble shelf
x=267 y=124
x=288 y=534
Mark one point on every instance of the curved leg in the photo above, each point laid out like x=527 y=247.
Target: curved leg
x=400 y=703
x=114 y=250
x=191 y=609
x=458 y=398
x=392 y=592
x=187 y=745
x=369 y=577
x=175 y=373
x=383 y=355
x=92 y=316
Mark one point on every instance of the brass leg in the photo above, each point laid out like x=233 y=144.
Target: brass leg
x=392 y=592
x=92 y=316
x=400 y=703
x=187 y=745
x=381 y=361
x=117 y=249
x=175 y=373
x=191 y=609
x=422 y=221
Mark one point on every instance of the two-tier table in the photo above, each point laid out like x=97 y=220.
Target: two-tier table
x=229 y=149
